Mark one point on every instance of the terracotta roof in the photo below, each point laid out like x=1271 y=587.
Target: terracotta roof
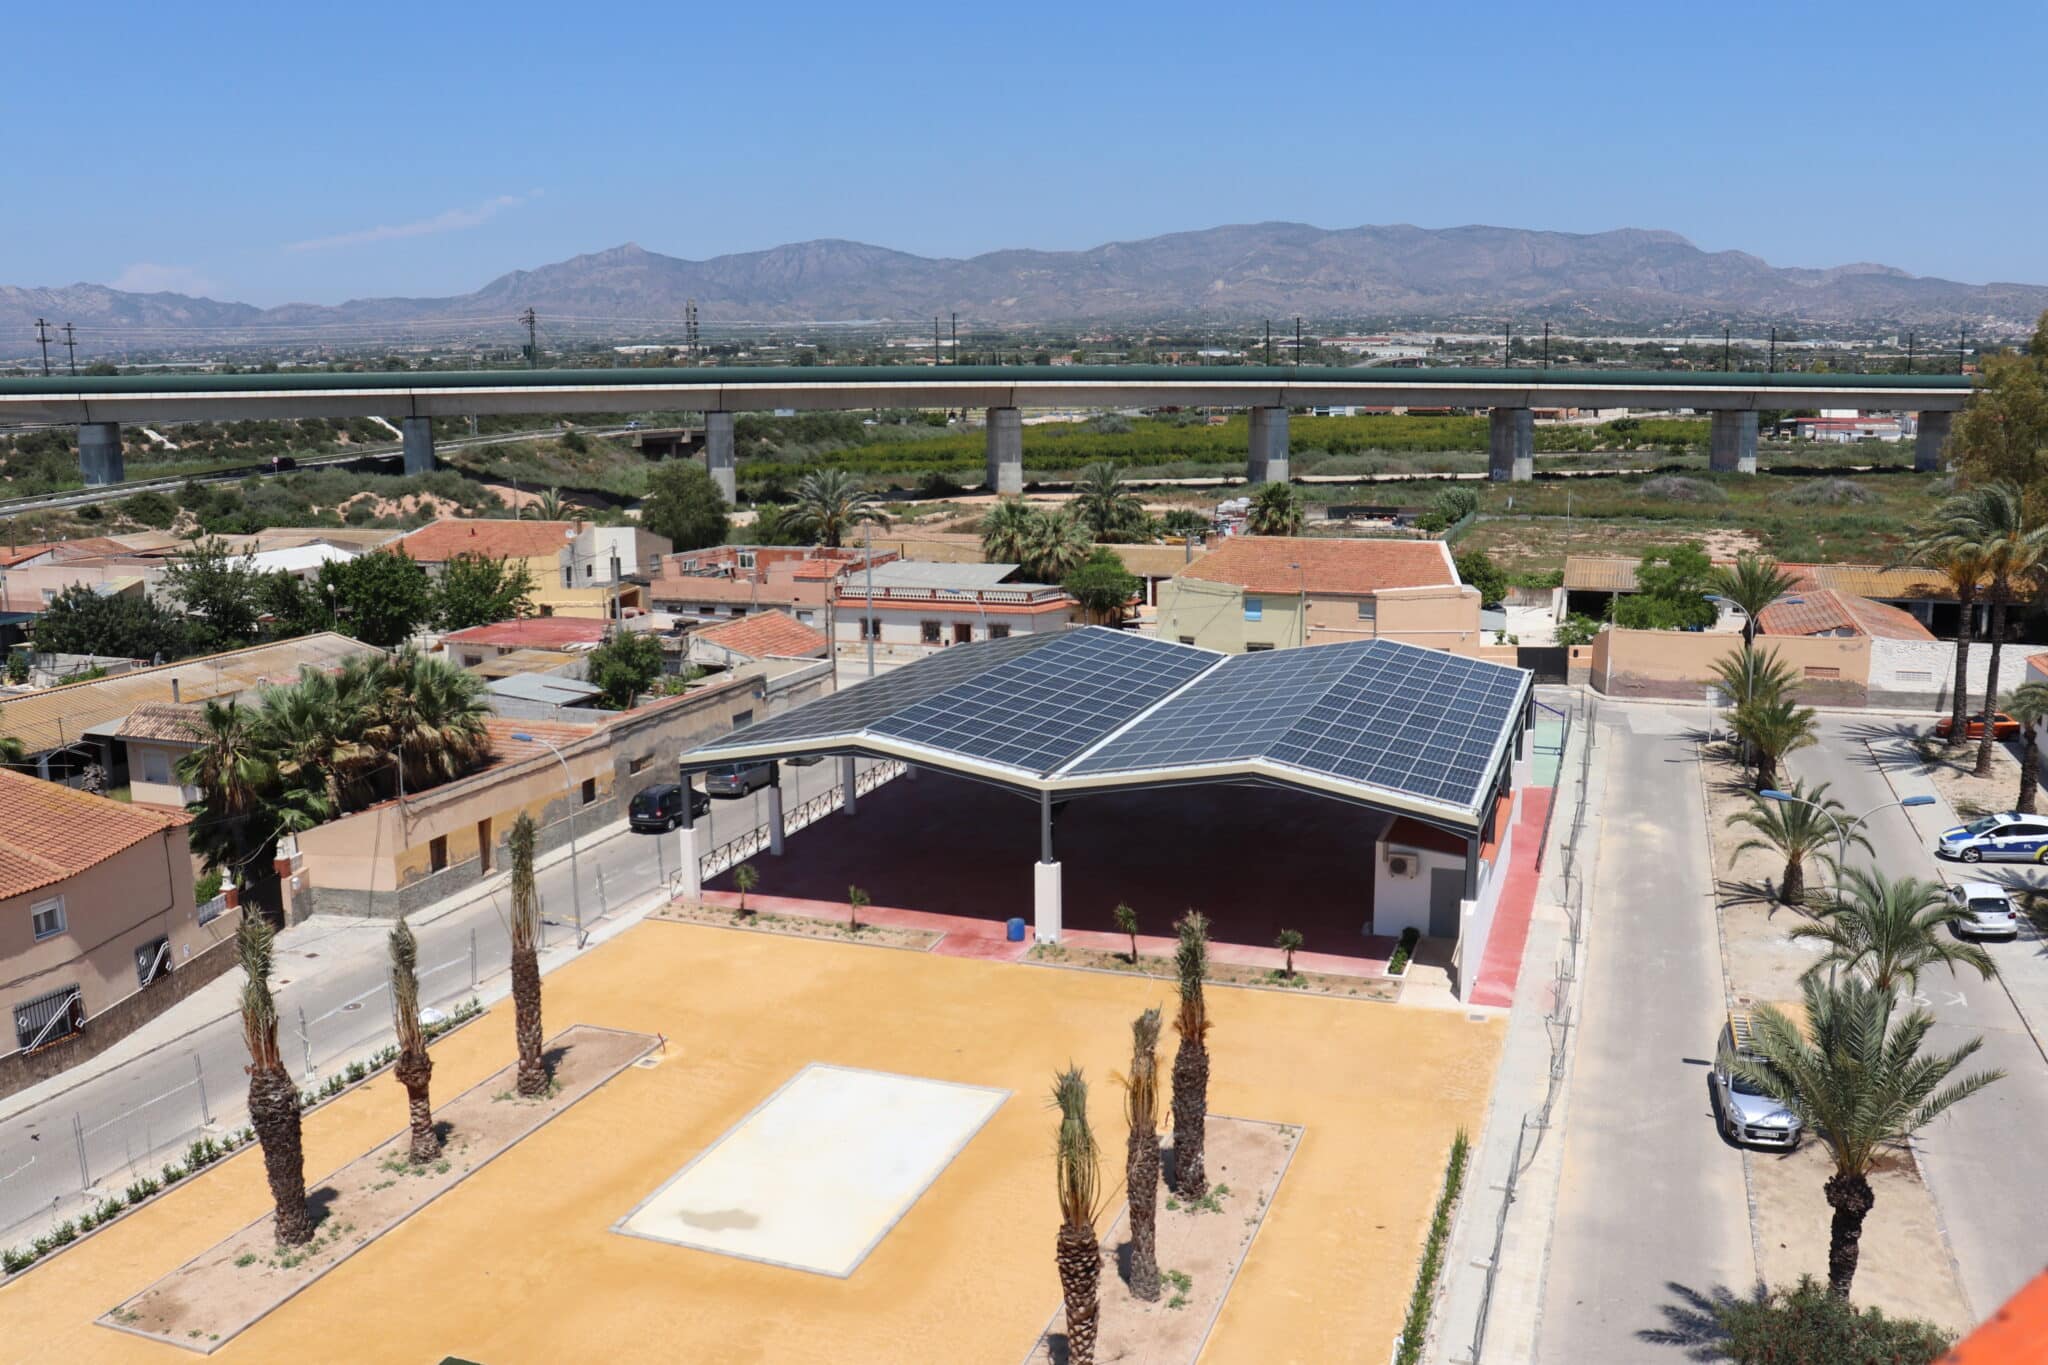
x=1820 y=611
x=82 y=547
x=767 y=633
x=172 y=723
x=1263 y=564
x=49 y=832
x=505 y=749
x=534 y=632
x=2017 y=1334
x=440 y=541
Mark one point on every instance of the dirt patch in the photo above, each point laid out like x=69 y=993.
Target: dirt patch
x=1200 y=1248
x=1903 y=1269
x=1954 y=774
x=797 y=926
x=214 y=1296
x=1387 y=988
x=1759 y=960
x=426 y=504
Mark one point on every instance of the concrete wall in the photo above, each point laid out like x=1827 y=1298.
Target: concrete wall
x=903 y=624
x=153 y=774
x=1679 y=664
x=1920 y=674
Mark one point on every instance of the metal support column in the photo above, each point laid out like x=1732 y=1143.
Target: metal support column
x=775 y=811
x=1045 y=879
x=849 y=799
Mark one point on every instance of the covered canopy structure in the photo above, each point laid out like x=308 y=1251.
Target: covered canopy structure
x=1422 y=735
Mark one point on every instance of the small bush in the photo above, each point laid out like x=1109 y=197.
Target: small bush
x=141 y=1189
x=1408 y=1349
x=1678 y=488
x=1830 y=493
x=1405 y=949
x=14 y=1262
x=173 y=1174
x=1806 y=1325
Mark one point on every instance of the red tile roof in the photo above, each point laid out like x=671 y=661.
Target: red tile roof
x=767 y=633
x=534 y=632
x=1822 y=611
x=1357 y=567
x=49 y=832
x=2017 y=1334
x=440 y=541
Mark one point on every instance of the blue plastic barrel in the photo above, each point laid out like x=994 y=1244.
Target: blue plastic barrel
x=1016 y=934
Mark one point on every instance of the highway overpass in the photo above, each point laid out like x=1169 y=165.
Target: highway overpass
x=99 y=405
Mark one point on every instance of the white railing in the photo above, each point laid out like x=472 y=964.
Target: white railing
x=733 y=852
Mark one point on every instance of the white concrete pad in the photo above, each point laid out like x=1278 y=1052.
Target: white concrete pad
x=817 y=1174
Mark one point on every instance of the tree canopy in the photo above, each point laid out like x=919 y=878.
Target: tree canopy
x=1671 y=591
x=476 y=590
x=624 y=666
x=1479 y=570
x=380 y=598
x=219 y=593
x=1102 y=585
x=685 y=506
x=80 y=621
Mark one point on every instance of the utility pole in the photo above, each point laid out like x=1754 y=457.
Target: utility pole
x=1771 y=366
x=532 y=339
x=71 y=347
x=43 y=336
x=1726 y=346
x=1546 y=345
x=870 y=623
x=1297 y=338
x=690 y=328
x=1269 y=344
x=936 y=361
x=1507 y=345
x=1962 y=352
x=956 y=338
x=1909 y=353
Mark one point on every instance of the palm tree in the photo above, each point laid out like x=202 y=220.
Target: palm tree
x=1078 y=1170
x=273 y=1099
x=547 y=506
x=744 y=879
x=1275 y=511
x=2029 y=706
x=12 y=752
x=1891 y=931
x=1995 y=517
x=1750 y=674
x=1289 y=942
x=533 y=1070
x=1860 y=1086
x=1141 y=1156
x=428 y=712
x=1055 y=545
x=1946 y=547
x=1773 y=729
x=1006 y=531
x=1798 y=831
x=1191 y=1058
x=311 y=734
x=415 y=1068
x=1753 y=583
x=831 y=502
x=234 y=777
x=1127 y=923
x=1107 y=507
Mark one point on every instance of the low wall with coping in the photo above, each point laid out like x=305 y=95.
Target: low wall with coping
x=1921 y=674
x=1678 y=664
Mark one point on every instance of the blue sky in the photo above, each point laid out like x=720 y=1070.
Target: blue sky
x=274 y=152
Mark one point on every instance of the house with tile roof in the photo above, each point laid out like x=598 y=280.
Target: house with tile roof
x=578 y=569
x=1825 y=612
x=1276 y=592
x=98 y=925
x=479 y=645
x=767 y=635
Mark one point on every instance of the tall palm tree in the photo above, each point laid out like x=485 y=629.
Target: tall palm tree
x=429 y=713
x=311 y=737
x=533 y=1070
x=273 y=1099
x=1860 y=1086
x=1106 y=504
x=1773 y=729
x=1141 y=1156
x=1276 y=511
x=415 y=1068
x=1055 y=545
x=1947 y=547
x=831 y=502
x=1752 y=583
x=1078 y=1171
x=1749 y=676
x=1796 y=830
x=234 y=778
x=2028 y=705
x=1995 y=517
x=1191 y=1058
x=1890 y=931
x=1006 y=531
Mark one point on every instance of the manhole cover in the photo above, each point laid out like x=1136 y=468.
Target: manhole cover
x=353 y=1005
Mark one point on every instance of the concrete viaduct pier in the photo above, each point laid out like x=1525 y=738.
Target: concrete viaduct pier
x=1928 y=441
x=719 y=459
x=1731 y=443
x=1005 y=450
x=99 y=453
x=1511 y=445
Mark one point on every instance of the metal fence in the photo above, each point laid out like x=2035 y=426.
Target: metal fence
x=1558 y=1023
x=733 y=852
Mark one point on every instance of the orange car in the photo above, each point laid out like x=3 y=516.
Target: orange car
x=2002 y=726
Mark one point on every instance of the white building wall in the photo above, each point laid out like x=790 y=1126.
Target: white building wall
x=1921 y=673
x=1401 y=902
x=904 y=626
x=1478 y=912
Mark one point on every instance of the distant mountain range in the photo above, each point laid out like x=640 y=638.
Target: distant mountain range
x=1628 y=278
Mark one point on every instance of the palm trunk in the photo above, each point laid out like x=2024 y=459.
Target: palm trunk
x=1766 y=771
x=533 y=1071
x=1959 y=696
x=1793 y=892
x=1190 y=1116
x=414 y=1071
x=1991 y=686
x=1851 y=1198
x=274 y=1114
x=1080 y=1263
x=2030 y=771
x=1141 y=1181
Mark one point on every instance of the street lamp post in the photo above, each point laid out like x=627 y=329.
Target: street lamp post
x=1841 y=832
x=575 y=868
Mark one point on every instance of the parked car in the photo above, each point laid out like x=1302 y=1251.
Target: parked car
x=659 y=808
x=2002 y=726
x=737 y=779
x=1747 y=1115
x=1990 y=911
x=2007 y=838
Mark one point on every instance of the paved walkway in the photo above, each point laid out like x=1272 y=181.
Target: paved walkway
x=1502 y=963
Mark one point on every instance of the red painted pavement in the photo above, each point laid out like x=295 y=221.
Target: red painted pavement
x=1503 y=961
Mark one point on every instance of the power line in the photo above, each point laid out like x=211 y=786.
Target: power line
x=532 y=339
x=71 y=346
x=43 y=336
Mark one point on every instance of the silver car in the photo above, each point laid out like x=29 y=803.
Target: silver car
x=1748 y=1116
x=1988 y=910
x=737 y=779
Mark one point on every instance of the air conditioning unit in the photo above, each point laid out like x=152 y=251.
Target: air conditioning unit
x=1402 y=865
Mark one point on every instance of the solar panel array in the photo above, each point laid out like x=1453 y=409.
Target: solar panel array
x=861 y=704
x=1038 y=711
x=1406 y=719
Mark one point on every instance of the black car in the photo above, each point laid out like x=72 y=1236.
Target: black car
x=659 y=808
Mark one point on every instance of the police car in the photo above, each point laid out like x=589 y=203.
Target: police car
x=2008 y=838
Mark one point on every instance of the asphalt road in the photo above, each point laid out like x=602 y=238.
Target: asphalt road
x=1983 y=1159
x=1649 y=1195
x=142 y=1113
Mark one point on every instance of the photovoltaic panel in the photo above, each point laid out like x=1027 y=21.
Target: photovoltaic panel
x=861 y=704
x=1037 y=711
x=1236 y=712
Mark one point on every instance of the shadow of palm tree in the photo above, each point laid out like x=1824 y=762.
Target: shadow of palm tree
x=1693 y=1322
